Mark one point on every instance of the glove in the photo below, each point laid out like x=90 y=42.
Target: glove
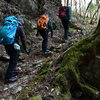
x=27 y=51
x=37 y=35
x=51 y=34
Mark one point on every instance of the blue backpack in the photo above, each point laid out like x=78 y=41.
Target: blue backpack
x=8 y=30
x=68 y=12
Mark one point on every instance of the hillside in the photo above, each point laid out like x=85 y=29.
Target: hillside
x=30 y=64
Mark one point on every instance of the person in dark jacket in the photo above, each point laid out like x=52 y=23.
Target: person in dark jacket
x=66 y=22
x=14 y=55
x=44 y=34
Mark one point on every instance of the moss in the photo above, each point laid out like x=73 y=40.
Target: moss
x=25 y=92
x=75 y=26
x=90 y=90
x=37 y=97
x=62 y=88
x=97 y=33
x=44 y=68
x=68 y=62
x=62 y=83
x=71 y=30
x=28 y=27
x=67 y=69
x=42 y=75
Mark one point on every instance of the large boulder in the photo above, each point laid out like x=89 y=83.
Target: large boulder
x=34 y=7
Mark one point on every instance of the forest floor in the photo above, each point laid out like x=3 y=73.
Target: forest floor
x=30 y=64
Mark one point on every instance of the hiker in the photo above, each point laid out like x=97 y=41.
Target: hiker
x=14 y=55
x=44 y=31
x=64 y=15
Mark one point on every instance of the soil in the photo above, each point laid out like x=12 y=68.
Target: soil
x=29 y=64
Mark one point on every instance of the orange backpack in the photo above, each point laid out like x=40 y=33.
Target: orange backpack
x=42 y=22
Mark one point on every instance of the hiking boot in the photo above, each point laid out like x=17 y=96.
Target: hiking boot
x=47 y=51
x=66 y=38
x=11 y=80
x=15 y=70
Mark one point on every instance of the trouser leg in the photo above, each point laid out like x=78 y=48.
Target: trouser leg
x=44 y=35
x=65 y=23
x=14 y=55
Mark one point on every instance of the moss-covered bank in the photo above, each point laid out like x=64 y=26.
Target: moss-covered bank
x=64 y=73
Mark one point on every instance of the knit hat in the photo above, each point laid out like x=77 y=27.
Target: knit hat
x=20 y=20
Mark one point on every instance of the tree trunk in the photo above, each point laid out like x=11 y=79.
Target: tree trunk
x=95 y=14
x=87 y=8
x=67 y=2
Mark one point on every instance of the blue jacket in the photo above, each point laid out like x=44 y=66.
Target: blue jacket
x=20 y=34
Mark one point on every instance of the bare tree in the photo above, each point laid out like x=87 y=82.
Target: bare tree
x=95 y=14
x=80 y=8
x=87 y=8
x=67 y=2
x=76 y=8
x=71 y=3
x=97 y=1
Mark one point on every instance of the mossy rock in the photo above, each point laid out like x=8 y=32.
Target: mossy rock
x=28 y=27
x=37 y=97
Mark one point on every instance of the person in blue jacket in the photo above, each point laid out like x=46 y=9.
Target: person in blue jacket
x=66 y=22
x=14 y=55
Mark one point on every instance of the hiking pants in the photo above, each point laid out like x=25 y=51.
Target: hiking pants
x=65 y=23
x=44 y=34
x=14 y=55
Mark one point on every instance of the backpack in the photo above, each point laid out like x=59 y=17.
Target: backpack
x=42 y=22
x=68 y=8
x=62 y=12
x=52 y=24
x=8 y=30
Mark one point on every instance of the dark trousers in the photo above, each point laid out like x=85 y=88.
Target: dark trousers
x=14 y=55
x=44 y=34
x=65 y=23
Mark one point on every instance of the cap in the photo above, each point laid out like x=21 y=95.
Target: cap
x=20 y=20
x=48 y=15
x=69 y=6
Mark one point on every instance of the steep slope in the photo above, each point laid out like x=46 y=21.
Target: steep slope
x=30 y=64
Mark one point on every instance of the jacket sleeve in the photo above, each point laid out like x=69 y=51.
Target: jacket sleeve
x=22 y=36
x=68 y=9
x=51 y=27
x=37 y=32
